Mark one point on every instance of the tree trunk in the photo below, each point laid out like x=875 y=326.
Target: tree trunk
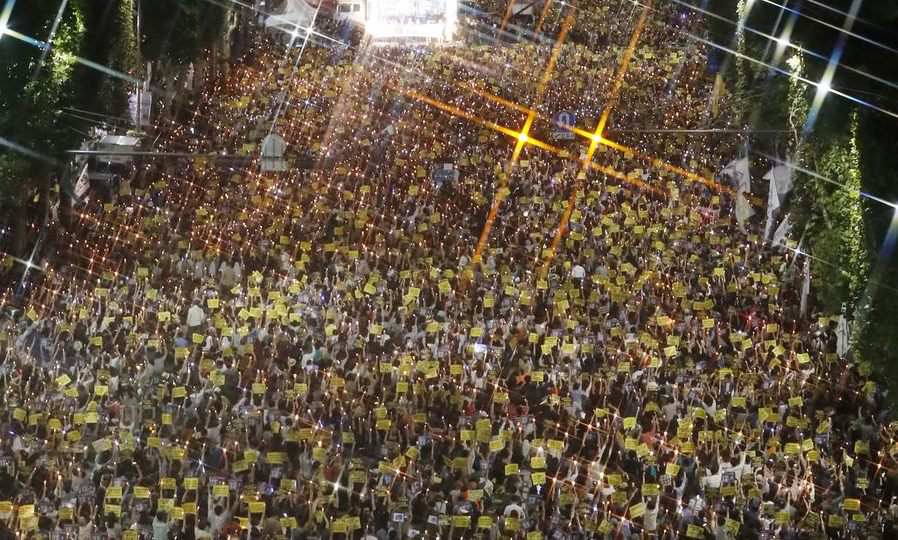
x=65 y=210
x=20 y=229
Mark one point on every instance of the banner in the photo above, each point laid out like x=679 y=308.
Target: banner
x=779 y=236
x=843 y=343
x=806 y=286
x=82 y=184
x=780 y=184
x=740 y=176
x=146 y=105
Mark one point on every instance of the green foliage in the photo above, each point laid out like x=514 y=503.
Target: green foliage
x=179 y=30
x=124 y=59
x=832 y=216
x=874 y=341
x=876 y=338
x=848 y=144
x=33 y=90
x=798 y=101
x=14 y=169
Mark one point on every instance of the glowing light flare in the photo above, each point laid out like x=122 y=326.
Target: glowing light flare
x=553 y=59
x=4 y=16
x=610 y=144
x=26 y=151
x=596 y=138
x=451 y=109
x=542 y=16
x=29 y=265
x=851 y=16
x=789 y=74
x=619 y=77
x=255 y=9
x=543 y=84
x=508 y=9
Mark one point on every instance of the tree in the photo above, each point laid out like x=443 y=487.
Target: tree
x=123 y=58
x=37 y=83
x=850 y=143
x=180 y=30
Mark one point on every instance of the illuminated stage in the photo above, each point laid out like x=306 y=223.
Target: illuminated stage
x=396 y=20
x=385 y=21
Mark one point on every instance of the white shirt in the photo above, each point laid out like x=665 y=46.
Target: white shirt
x=217 y=522
x=712 y=481
x=514 y=508
x=650 y=519
x=195 y=316
x=85 y=532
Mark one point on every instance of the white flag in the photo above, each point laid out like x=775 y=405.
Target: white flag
x=779 y=237
x=782 y=177
x=780 y=184
x=842 y=337
x=773 y=202
x=740 y=176
x=806 y=286
x=737 y=171
x=744 y=211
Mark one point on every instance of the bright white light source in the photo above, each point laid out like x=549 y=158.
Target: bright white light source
x=404 y=19
x=824 y=87
x=523 y=137
x=3 y=28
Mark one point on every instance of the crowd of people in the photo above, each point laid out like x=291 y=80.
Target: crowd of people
x=362 y=348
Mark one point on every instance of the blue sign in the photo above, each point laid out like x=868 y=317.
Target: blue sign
x=443 y=175
x=713 y=61
x=564 y=122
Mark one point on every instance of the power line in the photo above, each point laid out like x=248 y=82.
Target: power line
x=786 y=43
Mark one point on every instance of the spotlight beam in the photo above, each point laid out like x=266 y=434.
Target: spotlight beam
x=788 y=74
x=785 y=43
x=777 y=69
x=455 y=111
x=825 y=85
x=844 y=31
x=4 y=16
x=46 y=50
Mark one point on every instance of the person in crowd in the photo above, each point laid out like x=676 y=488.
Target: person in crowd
x=542 y=347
